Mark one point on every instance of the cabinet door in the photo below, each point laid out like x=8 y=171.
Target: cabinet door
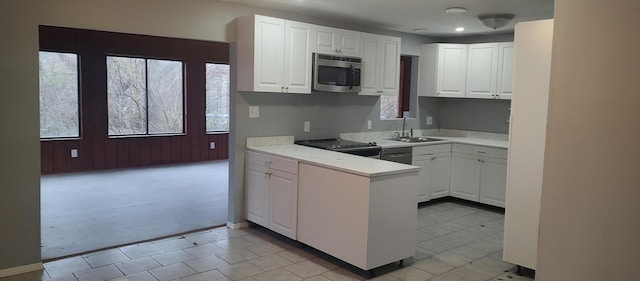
x=493 y=181
x=283 y=203
x=440 y=182
x=257 y=194
x=370 y=65
x=452 y=70
x=424 y=177
x=348 y=43
x=390 y=67
x=269 y=54
x=297 y=58
x=465 y=176
x=482 y=71
x=323 y=40
x=505 y=70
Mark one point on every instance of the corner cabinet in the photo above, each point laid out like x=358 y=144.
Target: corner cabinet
x=435 y=164
x=505 y=70
x=381 y=65
x=479 y=174
x=335 y=41
x=272 y=192
x=274 y=55
x=443 y=70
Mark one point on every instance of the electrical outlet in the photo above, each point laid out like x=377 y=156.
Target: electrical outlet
x=74 y=153
x=212 y=145
x=429 y=120
x=254 y=111
x=307 y=126
x=369 y=124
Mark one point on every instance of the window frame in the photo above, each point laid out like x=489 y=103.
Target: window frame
x=146 y=82
x=78 y=93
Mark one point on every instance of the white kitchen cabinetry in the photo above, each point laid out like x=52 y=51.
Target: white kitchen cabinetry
x=443 y=70
x=355 y=218
x=381 y=63
x=505 y=70
x=272 y=193
x=334 y=41
x=274 y=55
x=482 y=71
x=434 y=176
x=479 y=174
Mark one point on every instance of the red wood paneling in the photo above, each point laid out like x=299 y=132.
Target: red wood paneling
x=95 y=149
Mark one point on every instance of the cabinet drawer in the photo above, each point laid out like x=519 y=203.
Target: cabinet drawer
x=480 y=150
x=431 y=156
x=431 y=149
x=273 y=162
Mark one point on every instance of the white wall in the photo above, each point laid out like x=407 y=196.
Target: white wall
x=590 y=212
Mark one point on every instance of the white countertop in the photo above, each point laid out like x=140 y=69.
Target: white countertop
x=464 y=140
x=358 y=165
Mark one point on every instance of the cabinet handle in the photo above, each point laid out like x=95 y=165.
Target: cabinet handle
x=481 y=151
x=267 y=163
x=434 y=158
x=286 y=88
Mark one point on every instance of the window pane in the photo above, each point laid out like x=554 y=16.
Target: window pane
x=217 y=114
x=126 y=92
x=165 y=96
x=389 y=107
x=59 y=95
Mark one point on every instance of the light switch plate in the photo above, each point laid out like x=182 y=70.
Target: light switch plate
x=212 y=145
x=307 y=126
x=74 y=153
x=254 y=111
x=429 y=120
x=369 y=124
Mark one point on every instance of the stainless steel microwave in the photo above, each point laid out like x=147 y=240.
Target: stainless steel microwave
x=333 y=73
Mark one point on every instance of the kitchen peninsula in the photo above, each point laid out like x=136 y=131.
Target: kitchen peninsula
x=360 y=210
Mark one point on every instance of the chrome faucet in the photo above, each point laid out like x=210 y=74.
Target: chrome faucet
x=404 y=124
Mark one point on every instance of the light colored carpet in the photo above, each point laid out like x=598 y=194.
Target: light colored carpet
x=87 y=211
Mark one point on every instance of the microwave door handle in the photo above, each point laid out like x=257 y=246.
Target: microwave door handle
x=353 y=77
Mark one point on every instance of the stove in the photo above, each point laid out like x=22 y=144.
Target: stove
x=370 y=149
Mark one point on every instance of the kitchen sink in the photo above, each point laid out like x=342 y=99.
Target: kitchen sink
x=415 y=139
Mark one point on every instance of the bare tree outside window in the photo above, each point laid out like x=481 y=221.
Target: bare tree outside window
x=389 y=107
x=217 y=112
x=144 y=96
x=59 y=113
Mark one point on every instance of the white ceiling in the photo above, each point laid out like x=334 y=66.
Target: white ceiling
x=408 y=15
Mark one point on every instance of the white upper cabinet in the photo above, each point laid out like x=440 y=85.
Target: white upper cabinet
x=505 y=70
x=381 y=65
x=273 y=55
x=482 y=71
x=336 y=41
x=443 y=70
x=470 y=71
x=297 y=57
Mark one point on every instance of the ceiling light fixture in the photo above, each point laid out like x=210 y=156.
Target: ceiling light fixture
x=459 y=29
x=496 y=20
x=455 y=10
x=420 y=29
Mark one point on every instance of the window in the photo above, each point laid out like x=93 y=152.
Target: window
x=59 y=108
x=398 y=106
x=217 y=112
x=388 y=107
x=144 y=96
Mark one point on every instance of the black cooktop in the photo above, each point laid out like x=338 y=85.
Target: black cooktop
x=335 y=144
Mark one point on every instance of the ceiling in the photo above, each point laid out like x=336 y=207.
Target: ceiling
x=423 y=17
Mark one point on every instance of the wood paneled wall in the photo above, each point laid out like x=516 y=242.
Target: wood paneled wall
x=96 y=150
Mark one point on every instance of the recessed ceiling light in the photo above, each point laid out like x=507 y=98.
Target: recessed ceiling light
x=459 y=29
x=419 y=29
x=455 y=10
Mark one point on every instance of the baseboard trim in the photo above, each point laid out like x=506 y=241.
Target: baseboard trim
x=237 y=225
x=21 y=269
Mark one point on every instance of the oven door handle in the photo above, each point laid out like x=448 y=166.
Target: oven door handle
x=351 y=79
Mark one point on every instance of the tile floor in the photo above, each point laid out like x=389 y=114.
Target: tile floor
x=455 y=242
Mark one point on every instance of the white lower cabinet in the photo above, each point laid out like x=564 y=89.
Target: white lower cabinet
x=272 y=193
x=435 y=164
x=479 y=174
